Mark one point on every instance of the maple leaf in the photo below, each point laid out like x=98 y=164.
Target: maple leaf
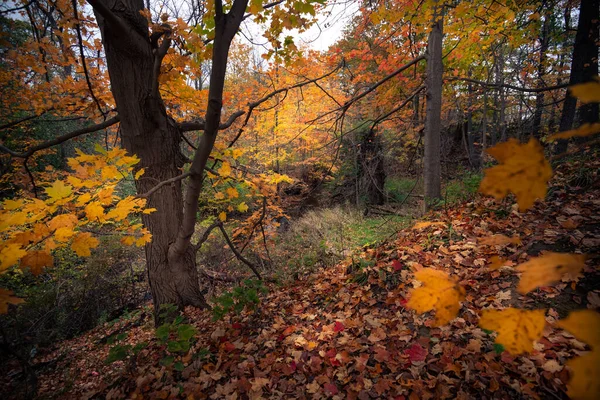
x=59 y=191
x=517 y=329
x=499 y=240
x=522 y=169
x=10 y=255
x=94 y=211
x=547 y=269
x=439 y=292
x=242 y=207
x=223 y=216
x=225 y=169
x=582 y=131
x=83 y=242
x=584 y=325
x=36 y=261
x=584 y=383
x=588 y=92
x=67 y=221
x=6 y=298
x=425 y=224
x=232 y=193
x=416 y=352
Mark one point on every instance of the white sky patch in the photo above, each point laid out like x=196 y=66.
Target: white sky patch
x=329 y=27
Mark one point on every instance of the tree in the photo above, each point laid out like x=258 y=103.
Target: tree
x=134 y=56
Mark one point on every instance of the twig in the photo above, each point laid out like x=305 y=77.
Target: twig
x=237 y=253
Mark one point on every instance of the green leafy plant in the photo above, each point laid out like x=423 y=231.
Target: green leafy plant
x=241 y=297
x=121 y=351
x=176 y=335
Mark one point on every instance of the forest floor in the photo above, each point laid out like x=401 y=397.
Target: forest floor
x=344 y=332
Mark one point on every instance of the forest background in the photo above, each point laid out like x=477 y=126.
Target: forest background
x=153 y=151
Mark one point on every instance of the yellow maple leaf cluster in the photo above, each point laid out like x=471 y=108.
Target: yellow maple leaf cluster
x=30 y=228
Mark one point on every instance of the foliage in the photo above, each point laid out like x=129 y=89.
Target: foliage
x=240 y=298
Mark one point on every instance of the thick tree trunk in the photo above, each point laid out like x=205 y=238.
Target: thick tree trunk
x=431 y=161
x=584 y=67
x=148 y=132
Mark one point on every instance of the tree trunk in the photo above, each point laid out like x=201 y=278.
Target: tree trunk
x=584 y=67
x=148 y=132
x=431 y=161
x=544 y=39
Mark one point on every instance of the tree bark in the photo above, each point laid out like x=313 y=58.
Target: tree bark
x=431 y=161
x=584 y=67
x=544 y=39
x=148 y=132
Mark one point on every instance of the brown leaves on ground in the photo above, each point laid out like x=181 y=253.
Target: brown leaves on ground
x=517 y=329
x=439 y=292
x=522 y=170
x=547 y=269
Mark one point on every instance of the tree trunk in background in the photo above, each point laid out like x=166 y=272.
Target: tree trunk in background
x=431 y=159
x=544 y=39
x=584 y=67
x=148 y=132
x=371 y=168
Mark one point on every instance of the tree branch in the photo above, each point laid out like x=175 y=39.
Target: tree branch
x=61 y=139
x=120 y=27
x=207 y=232
x=506 y=86
x=20 y=121
x=163 y=183
x=199 y=125
x=237 y=253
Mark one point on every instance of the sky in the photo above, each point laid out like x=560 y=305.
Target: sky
x=328 y=29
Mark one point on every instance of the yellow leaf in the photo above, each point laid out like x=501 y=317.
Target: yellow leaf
x=149 y=210
x=583 y=130
x=12 y=204
x=139 y=173
x=94 y=211
x=236 y=153
x=439 y=292
x=588 y=92
x=83 y=199
x=242 y=207
x=83 y=242
x=584 y=325
x=63 y=221
x=225 y=169
x=522 y=169
x=232 y=193
x=223 y=216
x=146 y=238
x=63 y=234
x=75 y=182
x=6 y=298
x=12 y=219
x=128 y=240
x=517 y=329
x=59 y=191
x=110 y=172
x=498 y=240
x=105 y=195
x=584 y=383
x=10 y=254
x=219 y=196
x=425 y=224
x=548 y=268
x=496 y=263
x=36 y=261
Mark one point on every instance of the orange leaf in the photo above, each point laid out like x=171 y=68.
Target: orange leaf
x=36 y=261
x=522 y=169
x=439 y=292
x=83 y=242
x=547 y=269
x=6 y=298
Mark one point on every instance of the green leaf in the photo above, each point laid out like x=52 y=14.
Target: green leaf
x=186 y=332
x=174 y=346
x=117 y=353
x=162 y=332
x=139 y=347
x=178 y=366
x=167 y=361
x=498 y=348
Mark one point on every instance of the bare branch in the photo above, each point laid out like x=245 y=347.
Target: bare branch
x=237 y=253
x=20 y=121
x=404 y=103
x=83 y=62
x=199 y=125
x=506 y=86
x=206 y=234
x=163 y=183
x=61 y=139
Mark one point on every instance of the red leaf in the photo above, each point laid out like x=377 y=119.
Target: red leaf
x=416 y=352
x=229 y=346
x=330 y=388
x=236 y=325
x=338 y=327
x=396 y=265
